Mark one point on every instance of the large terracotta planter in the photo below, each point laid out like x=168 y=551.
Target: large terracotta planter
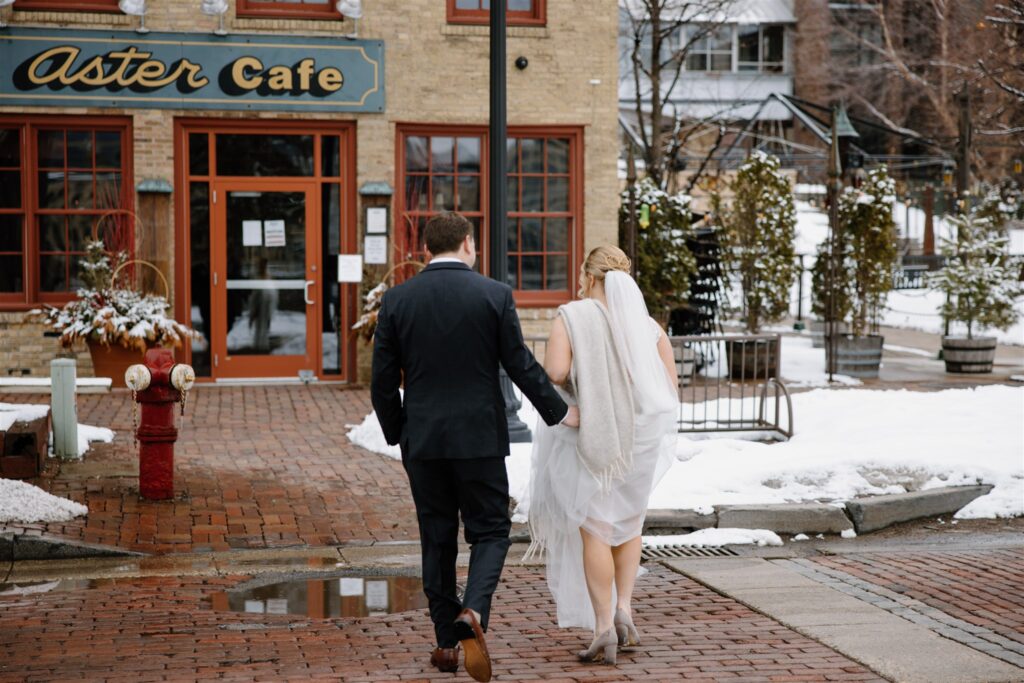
x=969 y=355
x=112 y=361
x=856 y=356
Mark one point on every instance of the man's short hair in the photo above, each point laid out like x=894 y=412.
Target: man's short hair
x=445 y=232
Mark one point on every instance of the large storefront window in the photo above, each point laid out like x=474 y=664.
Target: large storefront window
x=298 y=9
x=520 y=12
x=444 y=169
x=61 y=182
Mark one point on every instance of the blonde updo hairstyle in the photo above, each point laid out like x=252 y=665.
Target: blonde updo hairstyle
x=599 y=262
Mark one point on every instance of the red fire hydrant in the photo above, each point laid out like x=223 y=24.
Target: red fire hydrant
x=158 y=386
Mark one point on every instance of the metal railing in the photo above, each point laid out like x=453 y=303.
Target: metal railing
x=727 y=383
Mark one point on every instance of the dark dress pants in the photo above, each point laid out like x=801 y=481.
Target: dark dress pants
x=442 y=490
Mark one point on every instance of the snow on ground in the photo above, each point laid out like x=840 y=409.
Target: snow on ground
x=848 y=443
x=715 y=538
x=87 y=434
x=917 y=309
x=20 y=412
x=804 y=366
x=21 y=502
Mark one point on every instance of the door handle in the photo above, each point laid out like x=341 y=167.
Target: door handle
x=305 y=292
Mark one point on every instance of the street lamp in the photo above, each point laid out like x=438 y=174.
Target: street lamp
x=135 y=8
x=215 y=8
x=351 y=9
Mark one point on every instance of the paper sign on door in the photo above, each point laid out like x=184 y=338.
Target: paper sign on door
x=252 y=233
x=273 y=233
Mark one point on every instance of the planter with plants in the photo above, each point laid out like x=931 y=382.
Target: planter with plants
x=866 y=255
x=116 y=320
x=758 y=230
x=981 y=291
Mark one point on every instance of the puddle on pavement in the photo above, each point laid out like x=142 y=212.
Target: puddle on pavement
x=28 y=588
x=348 y=596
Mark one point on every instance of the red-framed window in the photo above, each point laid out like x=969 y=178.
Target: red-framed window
x=288 y=9
x=69 y=5
x=440 y=168
x=520 y=12
x=62 y=180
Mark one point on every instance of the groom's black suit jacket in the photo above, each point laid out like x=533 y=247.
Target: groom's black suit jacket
x=446 y=330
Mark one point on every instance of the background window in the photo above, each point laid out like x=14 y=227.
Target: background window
x=300 y=9
x=520 y=12
x=712 y=51
x=78 y=174
x=444 y=169
x=69 y=5
x=761 y=48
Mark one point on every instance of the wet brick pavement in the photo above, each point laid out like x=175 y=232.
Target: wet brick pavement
x=256 y=467
x=156 y=629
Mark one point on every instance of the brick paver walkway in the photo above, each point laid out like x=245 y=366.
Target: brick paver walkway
x=153 y=629
x=255 y=467
x=975 y=597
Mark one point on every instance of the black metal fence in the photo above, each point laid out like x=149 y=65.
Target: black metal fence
x=727 y=383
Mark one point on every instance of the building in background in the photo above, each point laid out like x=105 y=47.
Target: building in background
x=243 y=165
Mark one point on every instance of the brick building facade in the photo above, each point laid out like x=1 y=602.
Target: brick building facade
x=218 y=190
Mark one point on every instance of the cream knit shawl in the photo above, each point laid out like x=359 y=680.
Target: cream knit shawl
x=603 y=391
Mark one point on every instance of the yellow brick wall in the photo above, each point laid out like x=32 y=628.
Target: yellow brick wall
x=435 y=73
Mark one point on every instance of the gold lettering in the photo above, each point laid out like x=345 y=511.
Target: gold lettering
x=193 y=80
x=91 y=74
x=280 y=78
x=330 y=79
x=61 y=72
x=305 y=71
x=126 y=57
x=241 y=78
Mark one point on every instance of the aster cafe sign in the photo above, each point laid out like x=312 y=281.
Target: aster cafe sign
x=190 y=71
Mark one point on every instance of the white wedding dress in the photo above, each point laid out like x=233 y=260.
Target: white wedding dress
x=565 y=497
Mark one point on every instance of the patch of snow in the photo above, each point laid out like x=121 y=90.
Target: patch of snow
x=801 y=537
x=848 y=533
x=715 y=538
x=909 y=349
x=20 y=412
x=45 y=382
x=87 y=434
x=804 y=366
x=21 y=502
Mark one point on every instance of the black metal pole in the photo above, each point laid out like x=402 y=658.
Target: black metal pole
x=835 y=186
x=631 y=224
x=497 y=215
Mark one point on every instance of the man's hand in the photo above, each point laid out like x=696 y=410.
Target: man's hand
x=572 y=418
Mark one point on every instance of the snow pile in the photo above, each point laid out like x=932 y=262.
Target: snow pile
x=804 y=366
x=18 y=412
x=370 y=436
x=715 y=538
x=87 y=434
x=21 y=502
x=848 y=443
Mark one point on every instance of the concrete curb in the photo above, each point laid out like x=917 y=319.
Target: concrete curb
x=864 y=515
x=878 y=512
x=18 y=547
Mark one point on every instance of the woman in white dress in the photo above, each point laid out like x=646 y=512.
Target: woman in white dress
x=590 y=488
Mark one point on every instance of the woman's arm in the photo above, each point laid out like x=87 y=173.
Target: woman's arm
x=558 y=354
x=668 y=358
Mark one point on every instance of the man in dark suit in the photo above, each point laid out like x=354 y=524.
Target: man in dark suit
x=445 y=332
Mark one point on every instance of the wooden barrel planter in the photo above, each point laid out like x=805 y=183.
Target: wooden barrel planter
x=112 y=361
x=969 y=355
x=753 y=358
x=686 y=358
x=819 y=328
x=859 y=357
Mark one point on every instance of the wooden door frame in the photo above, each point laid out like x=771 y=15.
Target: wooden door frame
x=349 y=296
x=218 y=293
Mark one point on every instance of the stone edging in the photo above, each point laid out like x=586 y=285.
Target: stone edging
x=862 y=515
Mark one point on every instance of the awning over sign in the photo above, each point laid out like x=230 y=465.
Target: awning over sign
x=735 y=12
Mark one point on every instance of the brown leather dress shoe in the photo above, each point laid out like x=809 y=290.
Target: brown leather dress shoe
x=469 y=633
x=446 y=659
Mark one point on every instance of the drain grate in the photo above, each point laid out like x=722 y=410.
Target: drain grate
x=673 y=551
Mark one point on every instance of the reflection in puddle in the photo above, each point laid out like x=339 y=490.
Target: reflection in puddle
x=326 y=598
x=23 y=588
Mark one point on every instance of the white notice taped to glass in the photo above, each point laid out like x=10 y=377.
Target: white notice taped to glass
x=376 y=249
x=277 y=605
x=350 y=268
x=376 y=219
x=252 y=233
x=350 y=587
x=376 y=595
x=273 y=233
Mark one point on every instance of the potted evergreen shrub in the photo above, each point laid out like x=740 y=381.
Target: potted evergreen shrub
x=758 y=230
x=117 y=322
x=980 y=288
x=866 y=257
